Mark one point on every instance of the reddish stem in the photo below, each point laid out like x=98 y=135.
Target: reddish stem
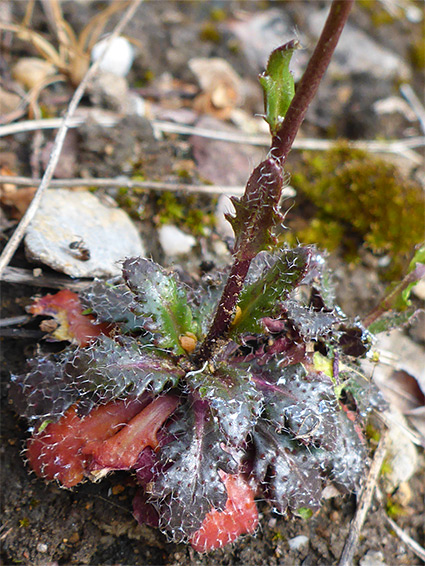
x=307 y=88
x=226 y=307
x=281 y=145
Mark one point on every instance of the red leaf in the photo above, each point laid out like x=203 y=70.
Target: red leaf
x=121 y=452
x=240 y=516
x=65 y=307
x=56 y=452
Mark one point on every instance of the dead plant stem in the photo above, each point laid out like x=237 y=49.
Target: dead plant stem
x=127 y=183
x=364 y=503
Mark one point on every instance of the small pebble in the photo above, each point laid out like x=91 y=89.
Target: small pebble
x=298 y=542
x=174 y=241
x=372 y=558
x=42 y=547
x=118 y=58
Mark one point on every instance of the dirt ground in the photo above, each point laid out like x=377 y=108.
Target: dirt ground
x=43 y=524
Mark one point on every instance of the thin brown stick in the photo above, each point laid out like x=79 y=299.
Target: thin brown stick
x=127 y=183
x=22 y=276
x=307 y=88
x=17 y=236
x=406 y=539
x=364 y=502
x=384 y=146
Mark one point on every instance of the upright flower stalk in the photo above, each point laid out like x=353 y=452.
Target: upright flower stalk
x=257 y=211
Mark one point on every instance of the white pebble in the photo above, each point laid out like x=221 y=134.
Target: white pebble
x=118 y=58
x=298 y=542
x=41 y=547
x=174 y=241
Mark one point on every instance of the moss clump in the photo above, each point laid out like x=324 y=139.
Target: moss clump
x=210 y=32
x=379 y=15
x=361 y=199
x=417 y=53
x=183 y=211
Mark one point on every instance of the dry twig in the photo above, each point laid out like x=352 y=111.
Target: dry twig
x=27 y=277
x=127 y=183
x=416 y=105
x=408 y=541
x=402 y=147
x=364 y=502
x=17 y=236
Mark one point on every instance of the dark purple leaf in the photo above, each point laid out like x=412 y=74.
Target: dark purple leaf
x=189 y=485
x=45 y=392
x=347 y=461
x=234 y=399
x=301 y=403
x=257 y=210
x=311 y=324
x=113 y=303
x=289 y=472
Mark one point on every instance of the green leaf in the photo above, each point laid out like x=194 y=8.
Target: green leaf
x=257 y=211
x=416 y=271
x=235 y=401
x=395 y=308
x=160 y=298
x=278 y=85
x=262 y=297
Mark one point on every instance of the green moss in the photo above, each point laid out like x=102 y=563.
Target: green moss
x=379 y=16
x=360 y=199
x=394 y=510
x=209 y=32
x=417 y=53
x=386 y=468
x=24 y=522
x=184 y=212
x=372 y=433
x=218 y=15
x=304 y=512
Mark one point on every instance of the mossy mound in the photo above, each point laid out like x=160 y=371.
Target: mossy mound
x=361 y=199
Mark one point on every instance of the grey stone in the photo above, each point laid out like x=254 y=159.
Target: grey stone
x=79 y=219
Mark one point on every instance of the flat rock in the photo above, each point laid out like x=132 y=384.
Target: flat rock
x=71 y=225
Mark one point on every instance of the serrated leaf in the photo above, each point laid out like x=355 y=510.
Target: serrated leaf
x=262 y=297
x=278 y=85
x=257 y=210
x=161 y=299
x=72 y=325
x=235 y=400
x=205 y=300
x=311 y=324
x=119 y=368
x=289 y=471
x=190 y=485
x=347 y=460
x=301 y=403
x=45 y=392
x=395 y=308
x=113 y=303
